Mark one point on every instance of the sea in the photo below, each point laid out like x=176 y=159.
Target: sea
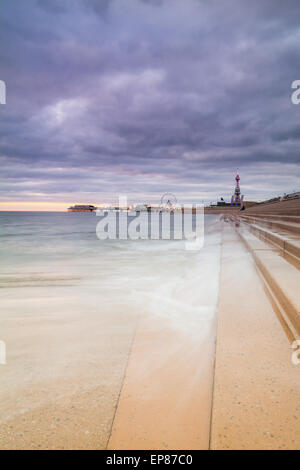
x=61 y=250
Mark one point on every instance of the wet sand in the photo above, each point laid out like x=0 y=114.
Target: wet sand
x=60 y=387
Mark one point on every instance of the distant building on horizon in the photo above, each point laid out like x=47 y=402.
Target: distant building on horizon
x=82 y=208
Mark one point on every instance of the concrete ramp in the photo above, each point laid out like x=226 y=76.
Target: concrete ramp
x=165 y=402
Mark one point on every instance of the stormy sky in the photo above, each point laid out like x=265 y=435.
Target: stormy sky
x=142 y=97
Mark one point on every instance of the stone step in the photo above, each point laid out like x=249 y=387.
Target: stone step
x=287 y=244
x=277 y=225
x=256 y=385
x=286 y=218
x=281 y=277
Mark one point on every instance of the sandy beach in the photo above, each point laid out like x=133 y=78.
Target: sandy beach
x=61 y=383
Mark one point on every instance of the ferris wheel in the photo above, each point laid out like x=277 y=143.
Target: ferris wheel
x=168 y=200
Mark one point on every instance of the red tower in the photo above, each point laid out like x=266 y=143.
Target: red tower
x=237 y=199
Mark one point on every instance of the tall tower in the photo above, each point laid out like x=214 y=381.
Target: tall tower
x=236 y=198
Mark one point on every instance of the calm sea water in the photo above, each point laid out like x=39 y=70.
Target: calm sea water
x=61 y=250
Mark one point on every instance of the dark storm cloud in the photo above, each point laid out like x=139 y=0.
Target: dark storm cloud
x=146 y=96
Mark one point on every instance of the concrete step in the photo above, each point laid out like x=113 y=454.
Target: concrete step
x=286 y=207
x=286 y=244
x=294 y=211
x=290 y=227
x=256 y=386
x=281 y=277
x=286 y=218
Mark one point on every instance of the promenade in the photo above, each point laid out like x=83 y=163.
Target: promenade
x=255 y=388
